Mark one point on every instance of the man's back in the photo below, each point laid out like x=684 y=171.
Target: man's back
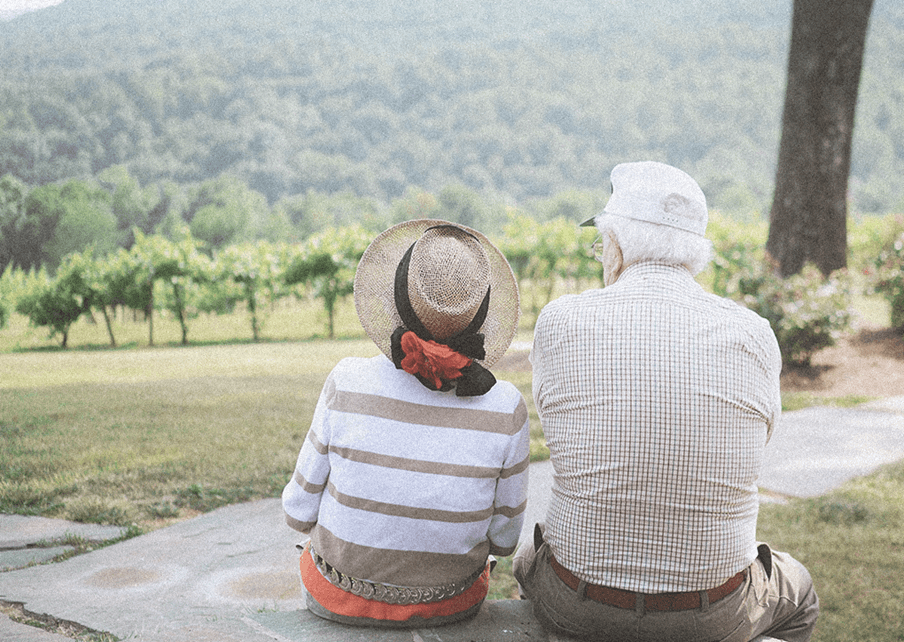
x=656 y=399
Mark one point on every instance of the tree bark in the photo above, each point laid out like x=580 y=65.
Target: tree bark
x=808 y=221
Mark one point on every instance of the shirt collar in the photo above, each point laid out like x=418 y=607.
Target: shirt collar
x=657 y=268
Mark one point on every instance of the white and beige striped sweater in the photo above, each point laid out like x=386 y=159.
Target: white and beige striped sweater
x=406 y=486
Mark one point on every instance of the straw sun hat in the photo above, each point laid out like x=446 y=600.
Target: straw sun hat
x=448 y=285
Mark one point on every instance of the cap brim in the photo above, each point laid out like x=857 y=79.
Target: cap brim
x=590 y=222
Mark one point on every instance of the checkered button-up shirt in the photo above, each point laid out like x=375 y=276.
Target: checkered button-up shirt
x=657 y=400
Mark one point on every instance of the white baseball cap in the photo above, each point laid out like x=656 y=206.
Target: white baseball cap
x=656 y=193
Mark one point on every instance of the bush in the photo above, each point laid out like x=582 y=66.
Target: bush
x=327 y=263
x=869 y=237
x=807 y=311
x=56 y=303
x=888 y=280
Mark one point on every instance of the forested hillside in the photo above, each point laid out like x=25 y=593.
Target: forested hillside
x=512 y=99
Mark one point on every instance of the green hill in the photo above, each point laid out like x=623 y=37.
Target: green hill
x=512 y=99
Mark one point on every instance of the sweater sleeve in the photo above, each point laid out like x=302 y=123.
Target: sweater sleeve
x=511 y=489
x=301 y=496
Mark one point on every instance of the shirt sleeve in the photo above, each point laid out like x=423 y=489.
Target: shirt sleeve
x=537 y=361
x=301 y=496
x=511 y=489
x=775 y=373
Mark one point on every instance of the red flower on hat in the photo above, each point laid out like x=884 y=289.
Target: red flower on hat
x=433 y=361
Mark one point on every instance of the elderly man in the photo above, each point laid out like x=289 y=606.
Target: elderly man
x=657 y=400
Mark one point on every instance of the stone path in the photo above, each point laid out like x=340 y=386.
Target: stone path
x=232 y=574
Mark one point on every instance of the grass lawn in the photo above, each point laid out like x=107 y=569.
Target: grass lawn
x=147 y=436
x=852 y=541
x=151 y=434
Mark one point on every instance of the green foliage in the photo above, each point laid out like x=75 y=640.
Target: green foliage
x=869 y=236
x=327 y=263
x=62 y=219
x=13 y=193
x=90 y=278
x=179 y=266
x=807 y=311
x=546 y=254
x=506 y=99
x=257 y=270
x=8 y=292
x=459 y=204
x=414 y=204
x=314 y=212
x=225 y=211
x=55 y=303
x=133 y=206
x=79 y=286
x=737 y=246
x=888 y=279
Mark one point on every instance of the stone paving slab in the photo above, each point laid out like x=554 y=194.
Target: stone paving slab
x=19 y=531
x=890 y=404
x=194 y=580
x=14 y=632
x=497 y=621
x=22 y=557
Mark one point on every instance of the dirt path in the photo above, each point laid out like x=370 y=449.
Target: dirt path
x=870 y=363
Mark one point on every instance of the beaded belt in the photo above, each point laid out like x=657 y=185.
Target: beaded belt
x=388 y=593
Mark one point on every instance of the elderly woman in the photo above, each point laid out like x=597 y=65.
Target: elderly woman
x=414 y=470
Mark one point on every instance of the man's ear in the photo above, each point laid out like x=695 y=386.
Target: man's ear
x=613 y=261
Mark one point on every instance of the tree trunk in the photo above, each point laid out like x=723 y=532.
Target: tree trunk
x=178 y=294
x=109 y=325
x=808 y=221
x=252 y=308
x=150 y=315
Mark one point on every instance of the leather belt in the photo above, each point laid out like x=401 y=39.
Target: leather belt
x=651 y=601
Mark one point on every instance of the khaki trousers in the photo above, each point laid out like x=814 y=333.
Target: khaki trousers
x=776 y=599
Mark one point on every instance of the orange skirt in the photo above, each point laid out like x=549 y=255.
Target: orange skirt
x=340 y=602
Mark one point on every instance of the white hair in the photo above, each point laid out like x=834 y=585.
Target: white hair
x=641 y=241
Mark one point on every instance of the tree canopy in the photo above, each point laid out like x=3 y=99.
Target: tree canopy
x=510 y=99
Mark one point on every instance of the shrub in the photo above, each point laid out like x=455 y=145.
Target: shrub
x=6 y=295
x=807 y=311
x=888 y=280
x=738 y=248
x=869 y=237
x=252 y=273
x=56 y=304
x=327 y=263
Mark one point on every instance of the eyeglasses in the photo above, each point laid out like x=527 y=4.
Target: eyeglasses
x=598 y=247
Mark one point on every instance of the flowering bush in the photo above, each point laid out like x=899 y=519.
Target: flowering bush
x=888 y=280
x=807 y=311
